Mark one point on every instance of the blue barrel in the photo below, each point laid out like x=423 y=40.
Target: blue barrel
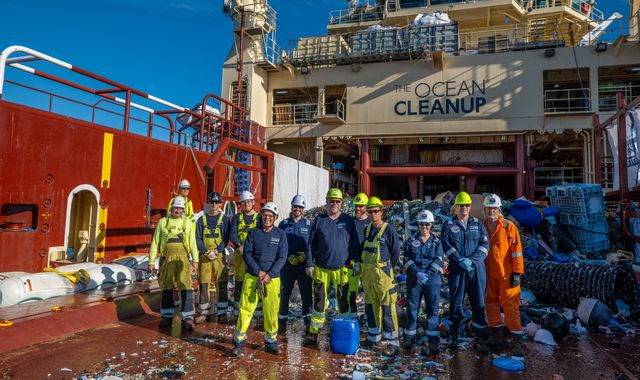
x=344 y=336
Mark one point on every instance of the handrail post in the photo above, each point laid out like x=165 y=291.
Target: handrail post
x=127 y=110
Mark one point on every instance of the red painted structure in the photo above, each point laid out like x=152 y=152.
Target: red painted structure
x=45 y=157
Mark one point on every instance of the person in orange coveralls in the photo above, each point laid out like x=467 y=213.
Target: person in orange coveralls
x=505 y=267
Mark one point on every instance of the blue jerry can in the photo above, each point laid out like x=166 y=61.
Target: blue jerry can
x=344 y=336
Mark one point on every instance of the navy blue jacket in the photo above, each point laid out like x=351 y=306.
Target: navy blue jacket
x=265 y=251
x=212 y=221
x=360 y=226
x=426 y=257
x=297 y=234
x=459 y=242
x=332 y=242
x=233 y=229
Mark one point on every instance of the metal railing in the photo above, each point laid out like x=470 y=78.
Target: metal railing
x=356 y=15
x=577 y=5
x=567 y=100
x=292 y=114
x=131 y=116
x=335 y=107
x=607 y=95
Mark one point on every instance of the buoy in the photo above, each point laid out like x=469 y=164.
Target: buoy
x=5 y=323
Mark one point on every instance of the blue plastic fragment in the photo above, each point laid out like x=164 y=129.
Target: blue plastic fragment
x=509 y=364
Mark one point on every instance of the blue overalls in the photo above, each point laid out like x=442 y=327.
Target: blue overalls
x=426 y=257
x=470 y=242
x=294 y=269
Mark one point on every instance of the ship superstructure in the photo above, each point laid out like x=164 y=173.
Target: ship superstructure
x=405 y=99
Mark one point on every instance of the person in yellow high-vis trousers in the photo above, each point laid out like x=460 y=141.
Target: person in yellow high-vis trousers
x=380 y=253
x=174 y=240
x=239 y=228
x=332 y=242
x=212 y=235
x=265 y=252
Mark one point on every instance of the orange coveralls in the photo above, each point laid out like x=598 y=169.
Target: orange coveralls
x=505 y=258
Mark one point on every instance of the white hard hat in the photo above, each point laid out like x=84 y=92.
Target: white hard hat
x=270 y=206
x=246 y=196
x=184 y=184
x=492 y=200
x=425 y=216
x=299 y=200
x=178 y=202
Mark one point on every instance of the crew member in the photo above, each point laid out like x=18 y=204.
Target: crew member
x=380 y=253
x=505 y=267
x=297 y=229
x=175 y=240
x=183 y=190
x=212 y=235
x=333 y=241
x=265 y=252
x=239 y=227
x=466 y=245
x=361 y=220
x=424 y=263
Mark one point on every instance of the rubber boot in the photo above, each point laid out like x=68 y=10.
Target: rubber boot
x=434 y=344
x=453 y=336
x=222 y=319
x=390 y=350
x=408 y=344
x=311 y=340
x=282 y=327
x=187 y=324
x=273 y=349
x=165 y=323
x=482 y=336
x=518 y=344
x=497 y=338
x=367 y=344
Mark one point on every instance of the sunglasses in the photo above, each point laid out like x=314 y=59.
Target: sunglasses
x=298 y=207
x=334 y=201
x=467 y=206
x=215 y=202
x=424 y=224
x=376 y=211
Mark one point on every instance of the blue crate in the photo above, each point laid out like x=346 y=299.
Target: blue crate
x=589 y=241
x=579 y=204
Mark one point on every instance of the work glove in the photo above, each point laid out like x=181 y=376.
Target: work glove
x=211 y=255
x=297 y=258
x=309 y=271
x=356 y=269
x=515 y=280
x=466 y=264
x=261 y=290
x=422 y=278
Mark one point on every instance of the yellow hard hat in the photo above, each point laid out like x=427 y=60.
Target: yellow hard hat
x=374 y=202
x=463 y=198
x=334 y=193
x=361 y=199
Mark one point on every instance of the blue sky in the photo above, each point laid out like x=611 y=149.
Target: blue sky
x=173 y=49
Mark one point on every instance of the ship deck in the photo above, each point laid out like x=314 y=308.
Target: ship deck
x=134 y=348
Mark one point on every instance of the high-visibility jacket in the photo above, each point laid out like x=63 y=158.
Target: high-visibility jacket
x=505 y=250
x=188 y=209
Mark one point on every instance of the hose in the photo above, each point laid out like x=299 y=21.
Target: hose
x=565 y=284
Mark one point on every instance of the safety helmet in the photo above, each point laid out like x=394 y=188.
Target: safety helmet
x=492 y=200
x=374 y=202
x=463 y=198
x=270 y=206
x=215 y=197
x=299 y=201
x=361 y=199
x=334 y=193
x=425 y=216
x=178 y=202
x=184 y=184
x=246 y=196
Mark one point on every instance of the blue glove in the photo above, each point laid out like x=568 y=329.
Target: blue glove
x=466 y=264
x=422 y=278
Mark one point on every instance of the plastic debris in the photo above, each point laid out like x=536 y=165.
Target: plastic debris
x=509 y=364
x=544 y=336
